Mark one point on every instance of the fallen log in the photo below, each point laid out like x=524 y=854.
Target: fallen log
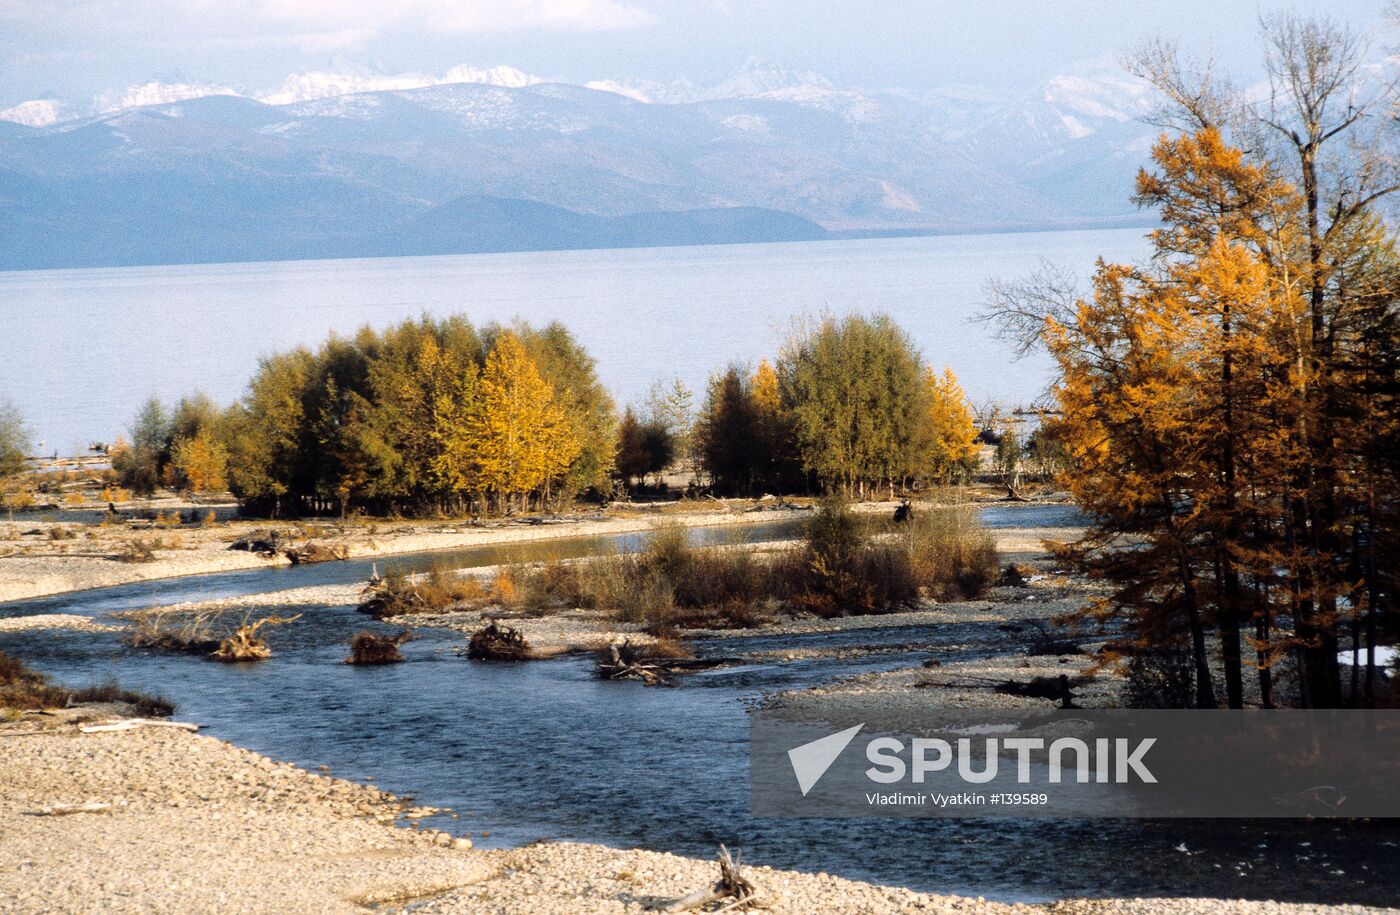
x=626 y=662
x=59 y=810
x=245 y=644
x=316 y=552
x=130 y=724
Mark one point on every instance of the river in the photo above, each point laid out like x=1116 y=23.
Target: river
x=545 y=750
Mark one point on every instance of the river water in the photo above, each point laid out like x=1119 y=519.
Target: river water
x=545 y=750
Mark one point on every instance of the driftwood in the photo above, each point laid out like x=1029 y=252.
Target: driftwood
x=732 y=884
x=316 y=552
x=131 y=724
x=622 y=662
x=372 y=648
x=59 y=810
x=495 y=642
x=625 y=662
x=1012 y=495
x=245 y=644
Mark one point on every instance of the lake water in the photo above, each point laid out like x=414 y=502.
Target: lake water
x=83 y=348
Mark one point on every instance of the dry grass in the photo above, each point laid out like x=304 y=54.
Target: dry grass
x=205 y=634
x=188 y=633
x=399 y=594
x=22 y=688
x=841 y=568
x=136 y=551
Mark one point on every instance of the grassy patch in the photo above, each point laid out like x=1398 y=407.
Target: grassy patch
x=22 y=688
x=399 y=594
x=842 y=567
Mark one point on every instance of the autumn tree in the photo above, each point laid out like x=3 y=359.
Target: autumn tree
x=518 y=436
x=142 y=464
x=588 y=408
x=200 y=462
x=952 y=428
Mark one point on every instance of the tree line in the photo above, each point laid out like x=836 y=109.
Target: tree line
x=1230 y=405
x=434 y=415
x=426 y=416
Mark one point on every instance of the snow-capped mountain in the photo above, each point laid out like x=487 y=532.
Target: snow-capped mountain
x=39 y=112
x=333 y=164
x=156 y=93
x=303 y=87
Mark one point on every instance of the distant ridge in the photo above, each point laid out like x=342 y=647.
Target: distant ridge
x=476 y=223
x=337 y=165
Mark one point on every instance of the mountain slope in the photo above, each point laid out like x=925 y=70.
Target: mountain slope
x=499 y=161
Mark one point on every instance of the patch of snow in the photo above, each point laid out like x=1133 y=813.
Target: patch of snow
x=617 y=88
x=155 y=93
x=302 y=87
x=894 y=198
x=39 y=112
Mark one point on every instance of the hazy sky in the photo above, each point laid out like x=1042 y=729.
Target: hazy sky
x=78 y=48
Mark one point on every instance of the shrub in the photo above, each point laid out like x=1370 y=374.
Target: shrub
x=373 y=648
x=136 y=551
x=144 y=705
x=114 y=494
x=398 y=594
x=952 y=554
x=22 y=688
x=1161 y=677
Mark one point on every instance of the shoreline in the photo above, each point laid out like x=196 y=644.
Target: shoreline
x=30 y=576
x=197 y=824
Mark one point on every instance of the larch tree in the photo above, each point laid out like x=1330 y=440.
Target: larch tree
x=519 y=435
x=953 y=428
x=201 y=462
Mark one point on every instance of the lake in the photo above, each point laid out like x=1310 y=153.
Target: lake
x=85 y=347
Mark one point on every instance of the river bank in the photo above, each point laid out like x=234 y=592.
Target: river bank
x=42 y=558
x=199 y=825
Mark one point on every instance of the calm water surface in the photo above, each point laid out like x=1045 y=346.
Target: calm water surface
x=83 y=348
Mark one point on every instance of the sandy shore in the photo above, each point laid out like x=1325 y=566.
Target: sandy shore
x=198 y=825
x=34 y=565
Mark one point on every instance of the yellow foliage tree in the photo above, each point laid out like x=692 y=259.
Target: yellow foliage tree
x=518 y=433
x=952 y=426
x=201 y=462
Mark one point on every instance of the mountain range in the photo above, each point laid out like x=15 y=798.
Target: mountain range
x=337 y=165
